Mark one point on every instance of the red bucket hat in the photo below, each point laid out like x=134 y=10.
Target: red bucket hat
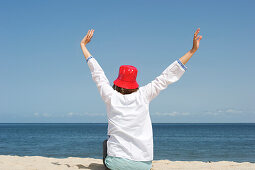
x=127 y=77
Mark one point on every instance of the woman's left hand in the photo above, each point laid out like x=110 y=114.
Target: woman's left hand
x=88 y=37
x=196 y=40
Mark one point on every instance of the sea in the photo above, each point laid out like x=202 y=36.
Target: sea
x=173 y=141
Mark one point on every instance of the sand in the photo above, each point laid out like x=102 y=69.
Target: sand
x=43 y=163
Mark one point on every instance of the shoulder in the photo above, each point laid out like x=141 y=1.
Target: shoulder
x=142 y=92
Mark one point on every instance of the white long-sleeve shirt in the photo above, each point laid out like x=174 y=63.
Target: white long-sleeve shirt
x=129 y=123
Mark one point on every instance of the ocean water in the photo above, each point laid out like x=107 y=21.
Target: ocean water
x=176 y=142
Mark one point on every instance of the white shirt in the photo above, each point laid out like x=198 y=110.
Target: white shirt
x=129 y=123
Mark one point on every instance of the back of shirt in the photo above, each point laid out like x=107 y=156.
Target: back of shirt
x=129 y=123
x=129 y=127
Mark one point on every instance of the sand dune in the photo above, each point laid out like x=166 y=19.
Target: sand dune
x=43 y=163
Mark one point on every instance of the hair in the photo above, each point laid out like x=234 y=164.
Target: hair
x=123 y=90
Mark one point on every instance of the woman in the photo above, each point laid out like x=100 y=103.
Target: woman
x=130 y=142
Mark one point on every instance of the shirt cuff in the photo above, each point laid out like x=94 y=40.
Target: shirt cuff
x=183 y=66
x=89 y=58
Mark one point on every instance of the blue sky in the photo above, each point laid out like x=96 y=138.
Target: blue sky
x=44 y=76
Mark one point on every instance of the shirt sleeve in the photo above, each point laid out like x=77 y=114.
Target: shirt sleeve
x=170 y=75
x=100 y=79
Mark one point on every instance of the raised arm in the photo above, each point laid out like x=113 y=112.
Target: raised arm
x=97 y=72
x=172 y=73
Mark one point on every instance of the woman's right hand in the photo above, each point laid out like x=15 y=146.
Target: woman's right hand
x=88 y=37
x=196 y=40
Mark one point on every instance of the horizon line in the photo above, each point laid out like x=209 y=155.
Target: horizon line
x=107 y=123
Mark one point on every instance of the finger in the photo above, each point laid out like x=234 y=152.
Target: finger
x=88 y=33
x=197 y=31
x=87 y=38
x=200 y=38
x=91 y=34
x=84 y=38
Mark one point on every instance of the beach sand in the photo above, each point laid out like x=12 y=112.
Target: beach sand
x=8 y=162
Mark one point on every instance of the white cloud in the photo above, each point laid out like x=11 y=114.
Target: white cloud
x=69 y=114
x=42 y=114
x=224 y=112
x=234 y=111
x=46 y=115
x=94 y=114
x=84 y=114
x=36 y=114
x=172 y=113
x=228 y=111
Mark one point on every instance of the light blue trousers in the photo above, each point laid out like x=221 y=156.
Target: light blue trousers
x=116 y=163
